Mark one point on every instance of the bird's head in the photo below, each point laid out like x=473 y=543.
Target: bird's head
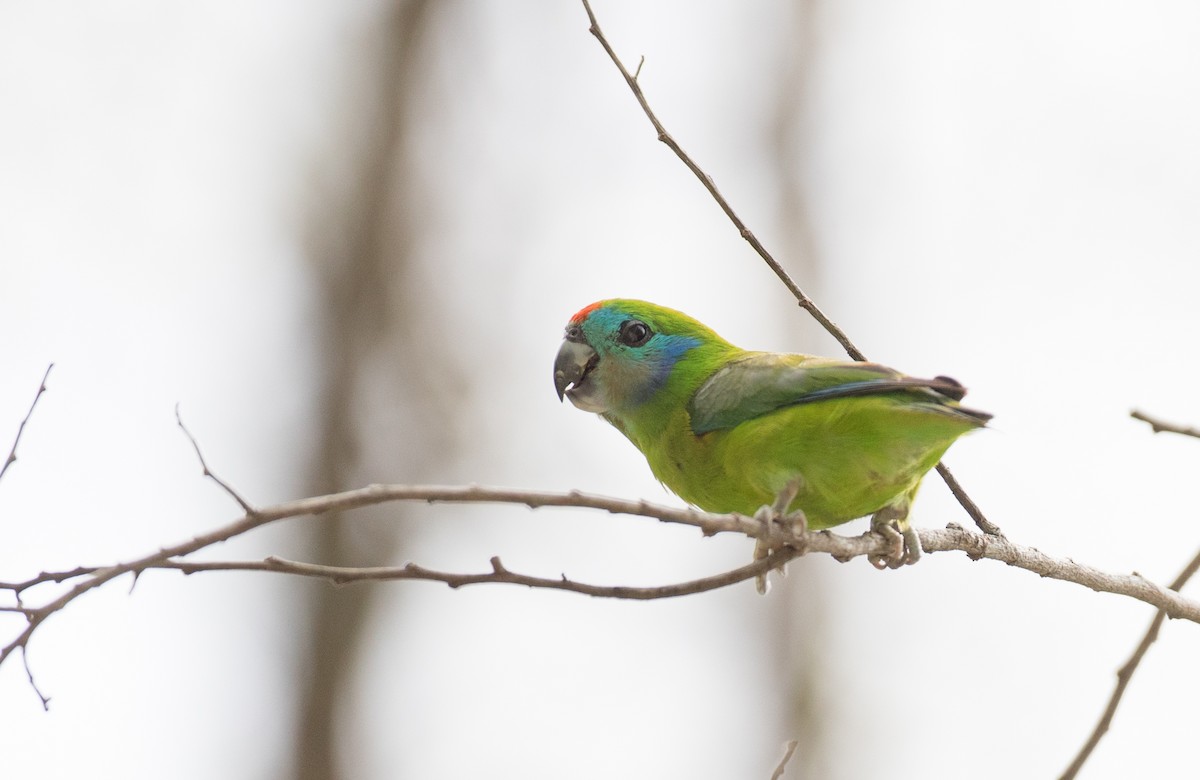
x=618 y=354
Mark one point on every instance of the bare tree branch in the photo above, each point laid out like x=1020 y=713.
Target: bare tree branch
x=790 y=540
x=802 y=298
x=972 y=509
x=342 y=575
x=1158 y=426
x=1133 y=585
x=1125 y=674
x=90 y=578
x=52 y=576
x=30 y=614
x=12 y=453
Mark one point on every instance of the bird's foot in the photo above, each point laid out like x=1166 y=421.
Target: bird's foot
x=770 y=515
x=904 y=546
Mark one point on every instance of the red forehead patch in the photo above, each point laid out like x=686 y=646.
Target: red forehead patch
x=582 y=314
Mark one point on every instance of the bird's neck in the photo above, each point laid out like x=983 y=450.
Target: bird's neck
x=665 y=413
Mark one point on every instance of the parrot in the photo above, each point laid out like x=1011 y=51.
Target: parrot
x=735 y=431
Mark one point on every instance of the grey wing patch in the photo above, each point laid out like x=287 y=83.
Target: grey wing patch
x=763 y=382
x=738 y=391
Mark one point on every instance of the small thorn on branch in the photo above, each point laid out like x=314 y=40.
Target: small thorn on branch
x=1160 y=426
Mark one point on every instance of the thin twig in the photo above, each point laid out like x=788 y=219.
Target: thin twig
x=48 y=576
x=88 y=579
x=1158 y=426
x=788 y=750
x=342 y=575
x=94 y=578
x=1125 y=674
x=985 y=525
x=245 y=505
x=12 y=453
x=33 y=683
x=802 y=298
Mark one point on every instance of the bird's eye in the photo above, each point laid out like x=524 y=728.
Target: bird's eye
x=634 y=333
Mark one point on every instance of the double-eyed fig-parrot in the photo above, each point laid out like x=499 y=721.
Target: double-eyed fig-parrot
x=730 y=430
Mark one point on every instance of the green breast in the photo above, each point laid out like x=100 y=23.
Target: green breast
x=853 y=455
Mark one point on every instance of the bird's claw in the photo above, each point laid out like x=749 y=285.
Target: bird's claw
x=894 y=557
x=768 y=516
x=904 y=545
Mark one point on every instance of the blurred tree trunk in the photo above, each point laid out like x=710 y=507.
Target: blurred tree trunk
x=801 y=630
x=377 y=382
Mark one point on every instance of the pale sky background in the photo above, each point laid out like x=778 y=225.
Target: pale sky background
x=1003 y=192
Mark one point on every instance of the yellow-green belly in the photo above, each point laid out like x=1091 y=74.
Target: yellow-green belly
x=853 y=456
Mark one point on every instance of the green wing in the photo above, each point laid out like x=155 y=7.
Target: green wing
x=763 y=382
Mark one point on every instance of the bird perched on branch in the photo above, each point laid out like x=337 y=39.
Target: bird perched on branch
x=729 y=430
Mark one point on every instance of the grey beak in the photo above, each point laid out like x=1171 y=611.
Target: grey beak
x=575 y=359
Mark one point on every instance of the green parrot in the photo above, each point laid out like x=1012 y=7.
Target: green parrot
x=728 y=430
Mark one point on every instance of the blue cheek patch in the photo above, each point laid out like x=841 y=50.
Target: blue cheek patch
x=660 y=354
x=637 y=371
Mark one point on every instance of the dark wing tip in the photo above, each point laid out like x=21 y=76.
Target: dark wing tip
x=953 y=389
x=949 y=387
